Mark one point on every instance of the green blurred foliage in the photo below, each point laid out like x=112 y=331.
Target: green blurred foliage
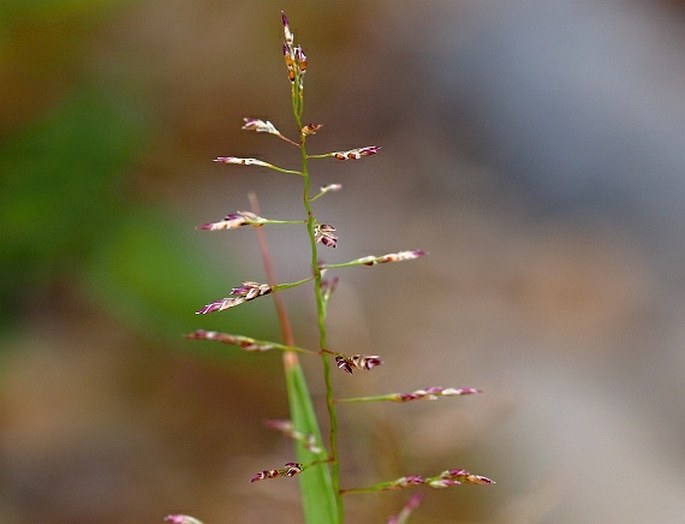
x=60 y=190
x=64 y=211
x=153 y=274
x=45 y=54
x=52 y=7
x=70 y=223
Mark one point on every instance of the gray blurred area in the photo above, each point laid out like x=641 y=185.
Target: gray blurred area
x=535 y=149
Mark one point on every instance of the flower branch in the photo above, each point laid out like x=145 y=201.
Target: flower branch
x=446 y=479
x=431 y=393
x=372 y=261
x=243 y=218
x=243 y=342
x=351 y=154
x=326 y=189
x=240 y=161
x=246 y=292
x=264 y=126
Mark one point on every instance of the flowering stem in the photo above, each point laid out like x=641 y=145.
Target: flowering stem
x=321 y=318
x=320 y=310
x=254 y=162
x=430 y=393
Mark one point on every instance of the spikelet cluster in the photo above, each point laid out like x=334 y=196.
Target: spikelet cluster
x=349 y=364
x=290 y=469
x=239 y=295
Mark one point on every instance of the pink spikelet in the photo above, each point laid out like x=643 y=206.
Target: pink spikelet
x=234 y=221
x=323 y=234
x=356 y=154
x=244 y=293
x=350 y=363
x=289 y=470
x=434 y=392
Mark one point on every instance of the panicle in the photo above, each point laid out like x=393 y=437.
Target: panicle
x=323 y=234
x=290 y=469
x=356 y=154
x=244 y=343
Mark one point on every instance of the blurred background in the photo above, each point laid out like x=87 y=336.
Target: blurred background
x=535 y=149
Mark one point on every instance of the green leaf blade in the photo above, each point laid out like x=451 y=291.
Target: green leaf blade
x=319 y=499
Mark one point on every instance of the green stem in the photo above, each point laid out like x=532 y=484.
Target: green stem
x=393 y=397
x=321 y=317
x=298 y=107
x=284 y=170
x=322 y=155
x=339 y=265
x=365 y=261
x=371 y=489
x=357 y=491
x=284 y=347
x=272 y=221
x=288 y=285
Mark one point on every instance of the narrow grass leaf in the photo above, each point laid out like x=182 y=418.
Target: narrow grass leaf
x=316 y=484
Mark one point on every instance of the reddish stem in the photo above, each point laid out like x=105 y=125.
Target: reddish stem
x=289 y=357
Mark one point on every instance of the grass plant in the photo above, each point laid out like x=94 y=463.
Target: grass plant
x=317 y=463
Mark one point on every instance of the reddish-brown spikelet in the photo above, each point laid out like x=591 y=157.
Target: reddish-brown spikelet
x=311 y=129
x=356 y=154
x=350 y=363
x=234 y=221
x=241 y=294
x=290 y=469
x=323 y=234
x=434 y=392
